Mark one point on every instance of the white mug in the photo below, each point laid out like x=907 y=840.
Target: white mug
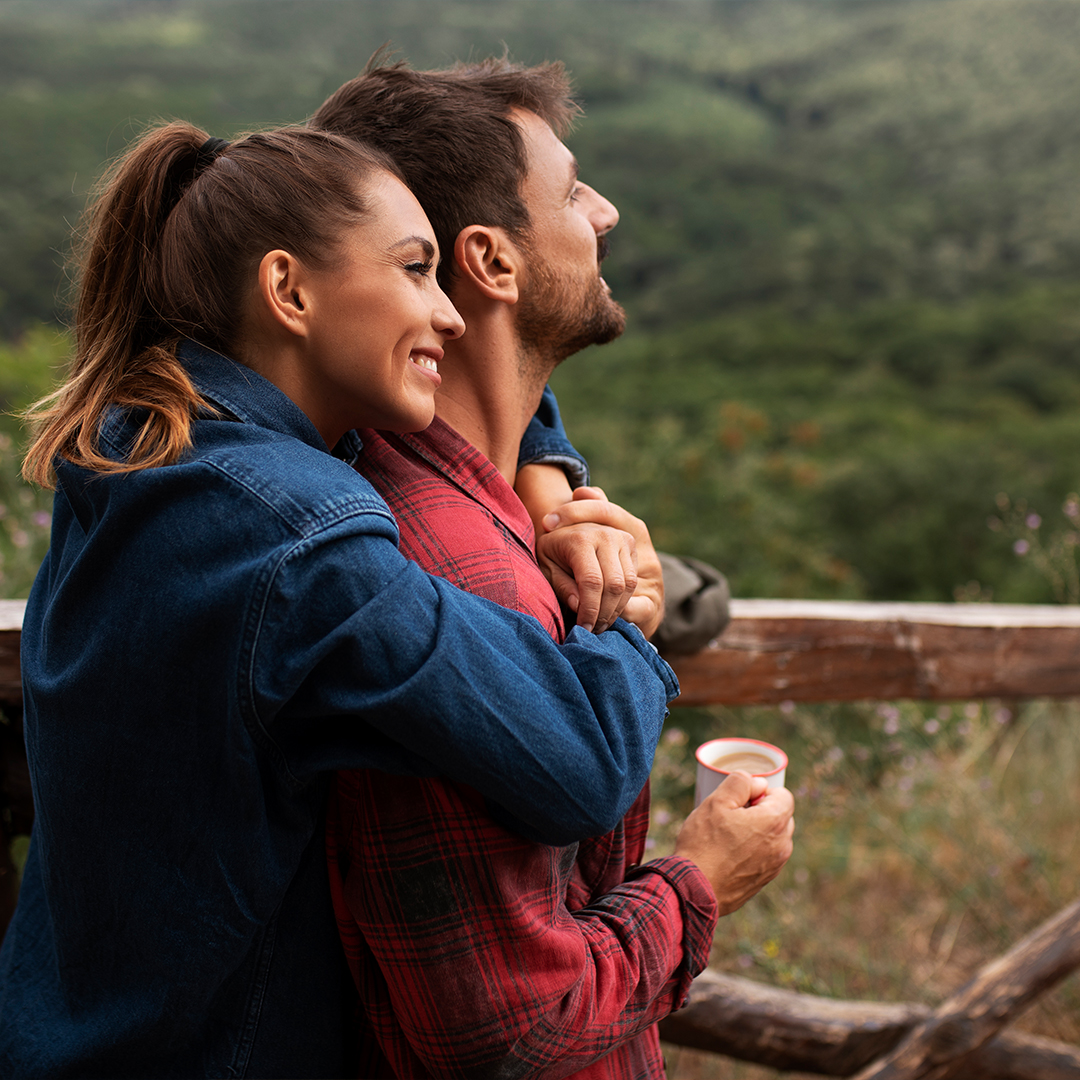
x=710 y=774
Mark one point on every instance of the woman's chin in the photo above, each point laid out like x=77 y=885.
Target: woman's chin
x=414 y=420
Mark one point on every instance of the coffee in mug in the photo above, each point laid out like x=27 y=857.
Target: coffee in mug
x=718 y=758
x=744 y=761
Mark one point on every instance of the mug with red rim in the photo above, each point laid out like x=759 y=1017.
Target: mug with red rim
x=718 y=758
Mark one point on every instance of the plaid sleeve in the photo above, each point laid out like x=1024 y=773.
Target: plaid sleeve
x=468 y=960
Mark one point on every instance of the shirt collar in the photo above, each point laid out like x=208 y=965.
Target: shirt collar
x=251 y=399
x=462 y=465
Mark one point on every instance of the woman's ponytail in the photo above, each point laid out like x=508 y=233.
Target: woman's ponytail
x=124 y=347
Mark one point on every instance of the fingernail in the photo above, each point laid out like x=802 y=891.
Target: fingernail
x=550 y=521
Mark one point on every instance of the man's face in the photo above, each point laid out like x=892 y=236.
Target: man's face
x=565 y=304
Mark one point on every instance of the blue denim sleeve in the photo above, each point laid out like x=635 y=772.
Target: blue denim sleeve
x=439 y=681
x=545 y=443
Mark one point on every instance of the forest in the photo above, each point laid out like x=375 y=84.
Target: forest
x=849 y=249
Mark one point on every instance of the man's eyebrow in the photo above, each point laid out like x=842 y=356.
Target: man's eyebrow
x=425 y=244
x=575 y=170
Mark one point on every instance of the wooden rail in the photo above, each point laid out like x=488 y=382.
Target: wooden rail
x=788 y=650
x=11 y=616
x=810 y=650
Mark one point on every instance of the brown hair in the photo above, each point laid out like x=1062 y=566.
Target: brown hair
x=451 y=134
x=170 y=246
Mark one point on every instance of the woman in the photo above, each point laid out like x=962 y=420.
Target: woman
x=223 y=618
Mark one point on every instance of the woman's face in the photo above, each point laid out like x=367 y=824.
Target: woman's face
x=378 y=322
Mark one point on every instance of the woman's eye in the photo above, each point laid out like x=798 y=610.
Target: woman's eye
x=421 y=268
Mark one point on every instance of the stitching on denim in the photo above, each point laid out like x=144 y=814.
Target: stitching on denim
x=342 y=508
x=260 y=982
x=257 y=611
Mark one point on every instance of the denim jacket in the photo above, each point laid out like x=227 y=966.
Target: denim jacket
x=545 y=443
x=203 y=644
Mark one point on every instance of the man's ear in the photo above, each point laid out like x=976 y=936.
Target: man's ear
x=283 y=291
x=486 y=257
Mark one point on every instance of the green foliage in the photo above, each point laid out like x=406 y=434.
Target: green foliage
x=849 y=245
x=816 y=455
x=19 y=849
x=25 y=519
x=1053 y=552
x=28 y=370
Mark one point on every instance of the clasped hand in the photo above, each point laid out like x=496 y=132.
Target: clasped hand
x=601 y=563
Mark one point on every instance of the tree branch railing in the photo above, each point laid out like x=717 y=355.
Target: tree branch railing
x=804 y=651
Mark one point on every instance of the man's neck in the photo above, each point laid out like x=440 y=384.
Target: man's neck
x=489 y=395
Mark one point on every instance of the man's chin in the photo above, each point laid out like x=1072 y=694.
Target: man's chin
x=596 y=331
x=613 y=326
x=547 y=327
x=608 y=321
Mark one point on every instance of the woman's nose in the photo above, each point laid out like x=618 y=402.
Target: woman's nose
x=446 y=319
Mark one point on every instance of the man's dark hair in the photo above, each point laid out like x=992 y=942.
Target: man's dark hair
x=451 y=135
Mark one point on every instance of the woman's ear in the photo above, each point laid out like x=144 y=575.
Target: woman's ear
x=488 y=259
x=283 y=291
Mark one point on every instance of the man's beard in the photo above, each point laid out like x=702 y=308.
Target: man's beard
x=557 y=318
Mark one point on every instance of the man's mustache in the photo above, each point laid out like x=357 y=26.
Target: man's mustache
x=603 y=249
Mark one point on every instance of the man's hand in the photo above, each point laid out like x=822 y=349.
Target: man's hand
x=542 y=488
x=740 y=838
x=601 y=563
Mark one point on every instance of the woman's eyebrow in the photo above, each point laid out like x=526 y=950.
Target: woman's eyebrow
x=425 y=244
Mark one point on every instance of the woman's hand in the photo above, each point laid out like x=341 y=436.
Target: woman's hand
x=601 y=563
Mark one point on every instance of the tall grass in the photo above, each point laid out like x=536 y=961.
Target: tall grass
x=929 y=839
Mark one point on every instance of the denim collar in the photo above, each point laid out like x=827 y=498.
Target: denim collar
x=251 y=399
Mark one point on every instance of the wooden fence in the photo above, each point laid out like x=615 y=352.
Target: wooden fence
x=775 y=651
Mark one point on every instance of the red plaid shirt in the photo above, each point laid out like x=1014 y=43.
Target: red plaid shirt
x=477 y=952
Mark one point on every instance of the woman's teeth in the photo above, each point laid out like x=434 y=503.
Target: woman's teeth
x=426 y=362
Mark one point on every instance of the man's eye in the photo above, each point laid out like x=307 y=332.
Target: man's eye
x=574 y=194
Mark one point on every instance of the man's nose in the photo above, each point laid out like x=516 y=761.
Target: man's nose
x=603 y=215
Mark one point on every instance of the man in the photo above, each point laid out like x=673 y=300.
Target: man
x=476 y=951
